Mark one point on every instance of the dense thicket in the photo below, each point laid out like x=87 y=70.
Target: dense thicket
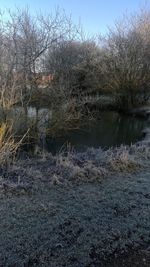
x=127 y=59
x=116 y=64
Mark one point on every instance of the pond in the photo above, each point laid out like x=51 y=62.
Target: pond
x=111 y=129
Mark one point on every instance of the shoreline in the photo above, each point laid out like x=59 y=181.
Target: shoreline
x=77 y=209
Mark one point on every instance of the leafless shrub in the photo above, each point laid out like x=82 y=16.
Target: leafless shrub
x=126 y=59
x=8 y=144
x=122 y=161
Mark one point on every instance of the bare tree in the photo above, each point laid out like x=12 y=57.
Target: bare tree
x=27 y=40
x=75 y=65
x=126 y=61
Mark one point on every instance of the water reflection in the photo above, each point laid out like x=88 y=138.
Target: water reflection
x=112 y=129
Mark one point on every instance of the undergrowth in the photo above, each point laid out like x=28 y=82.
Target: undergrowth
x=8 y=144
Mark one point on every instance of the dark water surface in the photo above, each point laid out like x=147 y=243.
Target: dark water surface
x=111 y=129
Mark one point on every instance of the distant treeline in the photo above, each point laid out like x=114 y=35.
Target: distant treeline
x=117 y=64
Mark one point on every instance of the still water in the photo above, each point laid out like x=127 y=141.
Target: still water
x=111 y=129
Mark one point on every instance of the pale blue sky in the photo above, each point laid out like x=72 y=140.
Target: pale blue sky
x=95 y=15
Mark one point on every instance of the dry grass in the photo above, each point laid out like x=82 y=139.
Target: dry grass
x=8 y=144
x=69 y=167
x=95 y=164
x=121 y=160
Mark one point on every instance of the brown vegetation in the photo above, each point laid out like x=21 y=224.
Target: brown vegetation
x=74 y=67
x=117 y=64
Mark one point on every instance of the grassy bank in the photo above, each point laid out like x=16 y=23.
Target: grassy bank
x=69 y=168
x=78 y=209
x=75 y=209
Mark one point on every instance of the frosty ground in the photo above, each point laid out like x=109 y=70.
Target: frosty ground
x=87 y=209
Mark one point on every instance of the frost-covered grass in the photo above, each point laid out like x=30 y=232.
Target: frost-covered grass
x=67 y=168
x=95 y=164
x=76 y=209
